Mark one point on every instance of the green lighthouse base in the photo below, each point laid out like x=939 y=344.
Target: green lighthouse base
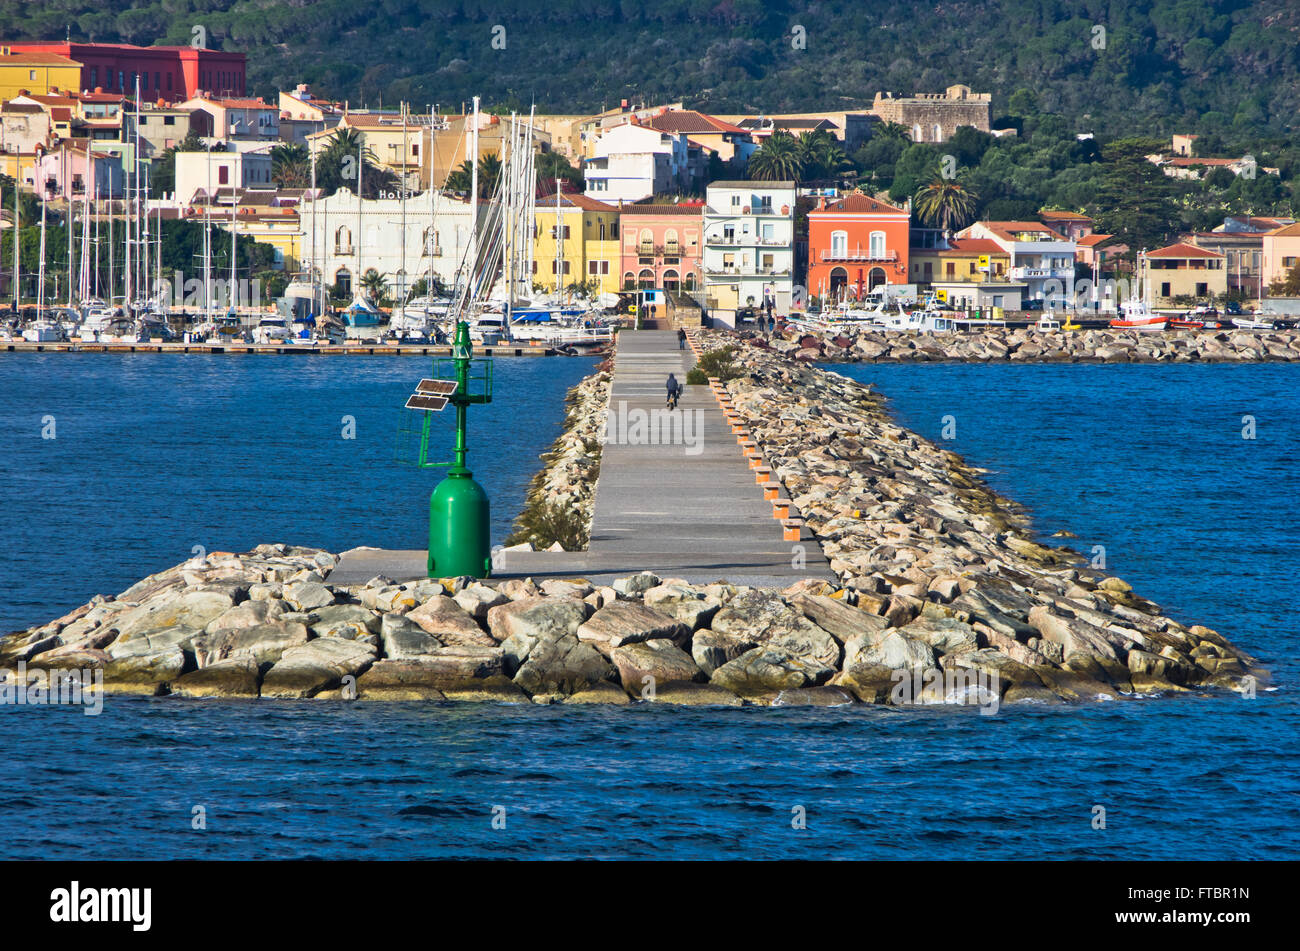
x=459 y=528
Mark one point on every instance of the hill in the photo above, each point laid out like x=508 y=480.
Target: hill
x=1145 y=66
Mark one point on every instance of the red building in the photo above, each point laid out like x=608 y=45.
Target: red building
x=856 y=244
x=174 y=73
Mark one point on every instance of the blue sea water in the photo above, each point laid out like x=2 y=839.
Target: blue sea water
x=163 y=453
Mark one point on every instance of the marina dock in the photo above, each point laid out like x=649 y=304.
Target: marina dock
x=691 y=508
x=353 y=349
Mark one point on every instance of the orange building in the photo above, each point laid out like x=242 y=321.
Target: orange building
x=855 y=244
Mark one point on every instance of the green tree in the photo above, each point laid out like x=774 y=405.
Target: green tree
x=946 y=204
x=375 y=285
x=291 y=166
x=777 y=160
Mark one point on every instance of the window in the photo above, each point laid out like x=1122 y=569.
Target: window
x=94 y=76
x=223 y=174
x=343 y=240
x=1202 y=290
x=877 y=245
x=735 y=201
x=169 y=120
x=169 y=82
x=31 y=74
x=157 y=84
x=839 y=244
x=950 y=270
x=1164 y=289
x=597 y=267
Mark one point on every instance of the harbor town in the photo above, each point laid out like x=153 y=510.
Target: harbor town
x=163 y=207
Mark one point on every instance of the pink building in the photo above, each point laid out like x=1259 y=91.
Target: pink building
x=70 y=171
x=662 y=246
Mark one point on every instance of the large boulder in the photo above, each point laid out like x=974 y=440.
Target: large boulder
x=681 y=693
x=710 y=650
x=231 y=677
x=403 y=638
x=685 y=603
x=247 y=614
x=399 y=680
x=560 y=666
x=763 y=617
x=321 y=664
x=346 y=621
x=943 y=635
x=306 y=595
x=264 y=643
x=445 y=619
x=837 y=618
x=477 y=599
x=537 y=617
x=170 y=619
x=147 y=674
x=766 y=671
x=655 y=661
x=629 y=622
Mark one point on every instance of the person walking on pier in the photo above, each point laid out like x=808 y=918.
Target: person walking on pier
x=681 y=338
x=674 y=391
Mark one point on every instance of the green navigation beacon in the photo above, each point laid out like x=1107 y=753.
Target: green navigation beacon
x=459 y=526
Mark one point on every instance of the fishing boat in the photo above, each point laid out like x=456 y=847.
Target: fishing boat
x=273 y=329
x=1185 y=323
x=1137 y=317
x=1253 y=323
x=1047 y=324
x=361 y=313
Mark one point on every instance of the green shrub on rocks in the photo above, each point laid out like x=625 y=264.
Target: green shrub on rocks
x=718 y=363
x=543 y=523
x=696 y=377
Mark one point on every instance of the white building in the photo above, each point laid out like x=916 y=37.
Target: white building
x=632 y=162
x=748 y=247
x=209 y=171
x=347 y=246
x=1041 y=259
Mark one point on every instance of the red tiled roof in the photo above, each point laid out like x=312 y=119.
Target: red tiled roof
x=1092 y=240
x=1052 y=215
x=690 y=121
x=857 y=203
x=32 y=58
x=1190 y=162
x=1183 y=250
x=1008 y=228
x=680 y=209
x=1288 y=231
x=974 y=246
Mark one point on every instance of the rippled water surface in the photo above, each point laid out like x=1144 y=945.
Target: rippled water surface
x=165 y=453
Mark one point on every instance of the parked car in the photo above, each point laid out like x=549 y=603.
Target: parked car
x=1032 y=305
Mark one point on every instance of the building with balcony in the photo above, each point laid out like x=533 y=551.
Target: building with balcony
x=1171 y=276
x=1040 y=258
x=1279 y=253
x=969 y=273
x=1243 y=258
x=748 y=246
x=662 y=247
x=855 y=245
x=68 y=172
x=576 y=242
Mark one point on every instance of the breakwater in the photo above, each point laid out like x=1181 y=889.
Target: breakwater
x=941 y=595
x=1027 y=345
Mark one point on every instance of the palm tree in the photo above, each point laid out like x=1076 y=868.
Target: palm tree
x=375 y=284
x=489 y=173
x=821 y=155
x=778 y=159
x=945 y=203
x=291 y=166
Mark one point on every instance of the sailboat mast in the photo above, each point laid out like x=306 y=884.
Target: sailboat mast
x=559 y=240
x=17 y=229
x=401 y=271
x=207 y=243
x=473 y=199
x=68 y=222
x=40 y=271
x=360 y=243
x=312 y=266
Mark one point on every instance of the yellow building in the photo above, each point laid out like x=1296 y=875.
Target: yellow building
x=36 y=73
x=588 y=248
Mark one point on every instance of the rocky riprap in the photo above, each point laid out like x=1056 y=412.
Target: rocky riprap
x=1026 y=345
x=947 y=571
x=564 y=490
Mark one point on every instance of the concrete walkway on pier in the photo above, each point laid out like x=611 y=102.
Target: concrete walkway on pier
x=688 y=507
